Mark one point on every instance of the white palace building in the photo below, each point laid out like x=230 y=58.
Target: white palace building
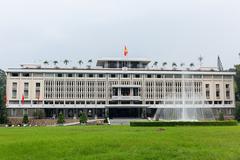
x=116 y=88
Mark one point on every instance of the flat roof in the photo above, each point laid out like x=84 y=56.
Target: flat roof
x=118 y=70
x=102 y=60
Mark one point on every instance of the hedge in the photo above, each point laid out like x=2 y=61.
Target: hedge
x=182 y=123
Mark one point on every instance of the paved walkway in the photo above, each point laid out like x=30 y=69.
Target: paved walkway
x=122 y=121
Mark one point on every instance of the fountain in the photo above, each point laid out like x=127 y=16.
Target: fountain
x=186 y=111
x=184 y=114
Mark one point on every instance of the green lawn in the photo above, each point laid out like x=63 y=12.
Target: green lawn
x=120 y=142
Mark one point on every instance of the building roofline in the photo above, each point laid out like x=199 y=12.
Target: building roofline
x=125 y=59
x=117 y=70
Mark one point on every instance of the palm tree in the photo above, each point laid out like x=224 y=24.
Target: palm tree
x=90 y=62
x=191 y=65
x=174 y=65
x=66 y=62
x=164 y=64
x=55 y=63
x=182 y=64
x=155 y=63
x=200 y=60
x=80 y=62
x=46 y=63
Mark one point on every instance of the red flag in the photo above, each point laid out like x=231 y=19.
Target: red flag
x=22 y=99
x=125 y=51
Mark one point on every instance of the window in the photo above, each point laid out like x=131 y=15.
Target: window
x=59 y=75
x=37 y=84
x=115 y=91
x=113 y=75
x=26 y=75
x=134 y=65
x=70 y=75
x=37 y=91
x=149 y=76
x=207 y=85
x=168 y=76
x=197 y=76
x=49 y=75
x=112 y=64
x=159 y=76
x=26 y=90
x=125 y=75
x=227 y=86
x=207 y=94
x=80 y=75
x=90 y=75
x=37 y=74
x=178 y=76
x=217 y=91
x=228 y=94
x=15 y=74
x=137 y=76
x=13 y=112
x=14 y=90
x=217 y=94
x=100 y=75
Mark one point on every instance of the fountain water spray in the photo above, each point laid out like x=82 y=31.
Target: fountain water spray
x=184 y=111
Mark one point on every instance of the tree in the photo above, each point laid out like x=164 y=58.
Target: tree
x=46 y=63
x=237 y=111
x=191 y=65
x=164 y=64
x=66 y=62
x=89 y=62
x=182 y=64
x=61 y=118
x=237 y=91
x=55 y=63
x=82 y=118
x=3 y=98
x=200 y=60
x=80 y=62
x=237 y=82
x=174 y=65
x=25 y=119
x=155 y=63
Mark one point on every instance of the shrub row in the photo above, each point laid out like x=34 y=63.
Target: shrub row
x=182 y=123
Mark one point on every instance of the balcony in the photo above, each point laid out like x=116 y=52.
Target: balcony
x=126 y=86
x=127 y=98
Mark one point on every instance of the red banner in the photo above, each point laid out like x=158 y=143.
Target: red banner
x=22 y=99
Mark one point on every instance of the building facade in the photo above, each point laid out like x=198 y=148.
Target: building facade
x=116 y=88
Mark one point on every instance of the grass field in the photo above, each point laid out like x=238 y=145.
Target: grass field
x=120 y=142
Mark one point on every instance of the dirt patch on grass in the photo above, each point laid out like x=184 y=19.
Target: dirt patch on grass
x=161 y=129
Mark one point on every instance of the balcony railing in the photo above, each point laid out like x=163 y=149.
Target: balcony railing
x=126 y=98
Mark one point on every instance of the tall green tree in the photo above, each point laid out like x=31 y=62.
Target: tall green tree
x=237 y=91
x=237 y=82
x=3 y=110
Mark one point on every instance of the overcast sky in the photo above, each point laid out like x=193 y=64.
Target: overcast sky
x=171 y=30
